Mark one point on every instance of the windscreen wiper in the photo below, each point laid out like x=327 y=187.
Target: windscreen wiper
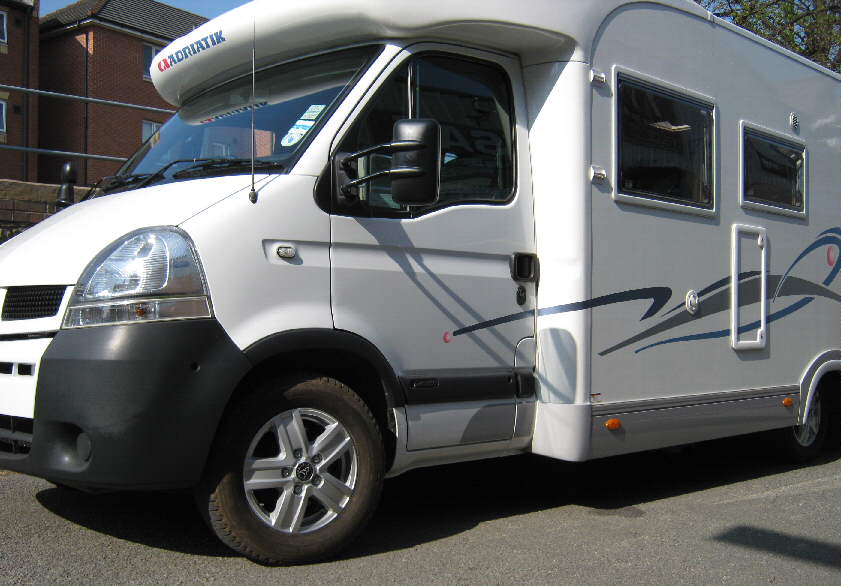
x=159 y=174
x=107 y=184
x=212 y=165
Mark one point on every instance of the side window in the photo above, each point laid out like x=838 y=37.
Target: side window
x=472 y=102
x=774 y=171
x=2 y=116
x=374 y=127
x=4 y=28
x=665 y=145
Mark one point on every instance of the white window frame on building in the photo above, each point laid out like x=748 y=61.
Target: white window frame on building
x=156 y=50
x=3 y=108
x=152 y=127
x=4 y=27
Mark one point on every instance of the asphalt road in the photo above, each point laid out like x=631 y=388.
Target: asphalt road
x=717 y=513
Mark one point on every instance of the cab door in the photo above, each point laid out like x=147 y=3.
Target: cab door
x=432 y=287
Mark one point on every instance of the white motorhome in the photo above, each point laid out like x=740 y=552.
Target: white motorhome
x=381 y=235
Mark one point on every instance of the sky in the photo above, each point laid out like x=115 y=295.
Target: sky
x=208 y=8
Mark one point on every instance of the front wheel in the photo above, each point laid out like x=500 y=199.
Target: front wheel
x=296 y=471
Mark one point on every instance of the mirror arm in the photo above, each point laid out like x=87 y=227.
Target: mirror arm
x=389 y=147
x=404 y=172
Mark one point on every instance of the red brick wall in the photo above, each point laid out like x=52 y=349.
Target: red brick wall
x=114 y=72
x=117 y=74
x=62 y=122
x=20 y=106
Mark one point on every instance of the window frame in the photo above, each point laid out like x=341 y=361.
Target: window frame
x=157 y=126
x=679 y=93
x=788 y=140
x=4 y=108
x=406 y=55
x=4 y=27
x=147 y=74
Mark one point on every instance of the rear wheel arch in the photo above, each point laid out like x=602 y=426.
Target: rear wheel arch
x=824 y=380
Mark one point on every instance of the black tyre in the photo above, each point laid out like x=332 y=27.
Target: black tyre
x=803 y=443
x=296 y=471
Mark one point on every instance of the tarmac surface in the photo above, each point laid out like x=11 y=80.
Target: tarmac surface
x=724 y=512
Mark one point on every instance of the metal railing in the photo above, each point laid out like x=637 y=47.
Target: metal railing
x=7 y=147
x=71 y=97
x=15 y=88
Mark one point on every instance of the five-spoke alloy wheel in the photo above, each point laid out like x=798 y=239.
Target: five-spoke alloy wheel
x=300 y=471
x=296 y=471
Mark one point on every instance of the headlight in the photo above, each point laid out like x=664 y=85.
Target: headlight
x=149 y=275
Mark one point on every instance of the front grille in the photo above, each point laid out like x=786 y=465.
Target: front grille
x=32 y=302
x=15 y=434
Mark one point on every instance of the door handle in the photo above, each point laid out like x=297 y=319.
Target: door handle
x=524 y=267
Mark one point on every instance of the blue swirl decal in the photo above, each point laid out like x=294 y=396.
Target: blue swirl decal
x=831 y=237
x=716 y=297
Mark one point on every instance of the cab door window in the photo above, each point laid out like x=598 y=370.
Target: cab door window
x=472 y=102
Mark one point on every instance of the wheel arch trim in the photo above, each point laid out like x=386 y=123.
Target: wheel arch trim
x=282 y=343
x=829 y=361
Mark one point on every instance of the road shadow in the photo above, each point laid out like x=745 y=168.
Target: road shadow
x=166 y=521
x=426 y=505
x=782 y=544
x=429 y=504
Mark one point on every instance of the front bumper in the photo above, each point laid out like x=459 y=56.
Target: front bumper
x=130 y=407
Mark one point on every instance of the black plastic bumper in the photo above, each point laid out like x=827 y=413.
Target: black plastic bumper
x=133 y=407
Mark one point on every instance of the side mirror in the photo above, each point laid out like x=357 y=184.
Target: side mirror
x=416 y=172
x=66 y=192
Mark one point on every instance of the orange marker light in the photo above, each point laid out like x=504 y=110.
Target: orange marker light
x=613 y=424
x=788 y=402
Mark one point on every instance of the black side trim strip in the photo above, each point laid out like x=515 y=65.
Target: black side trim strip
x=324 y=339
x=31 y=336
x=454 y=386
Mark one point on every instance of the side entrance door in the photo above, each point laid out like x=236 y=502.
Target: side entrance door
x=432 y=287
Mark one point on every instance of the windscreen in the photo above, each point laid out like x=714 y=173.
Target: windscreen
x=211 y=134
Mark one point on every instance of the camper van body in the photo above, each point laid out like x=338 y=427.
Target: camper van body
x=587 y=307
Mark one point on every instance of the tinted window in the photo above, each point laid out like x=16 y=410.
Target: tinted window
x=471 y=101
x=375 y=126
x=665 y=146
x=773 y=172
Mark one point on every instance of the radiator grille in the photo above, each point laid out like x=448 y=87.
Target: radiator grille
x=32 y=302
x=15 y=434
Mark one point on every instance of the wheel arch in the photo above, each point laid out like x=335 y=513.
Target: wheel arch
x=338 y=354
x=824 y=373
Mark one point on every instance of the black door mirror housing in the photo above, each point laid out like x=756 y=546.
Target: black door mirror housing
x=66 y=196
x=416 y=172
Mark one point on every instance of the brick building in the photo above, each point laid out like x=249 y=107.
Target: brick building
x=102 y=49
x=18 y=67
